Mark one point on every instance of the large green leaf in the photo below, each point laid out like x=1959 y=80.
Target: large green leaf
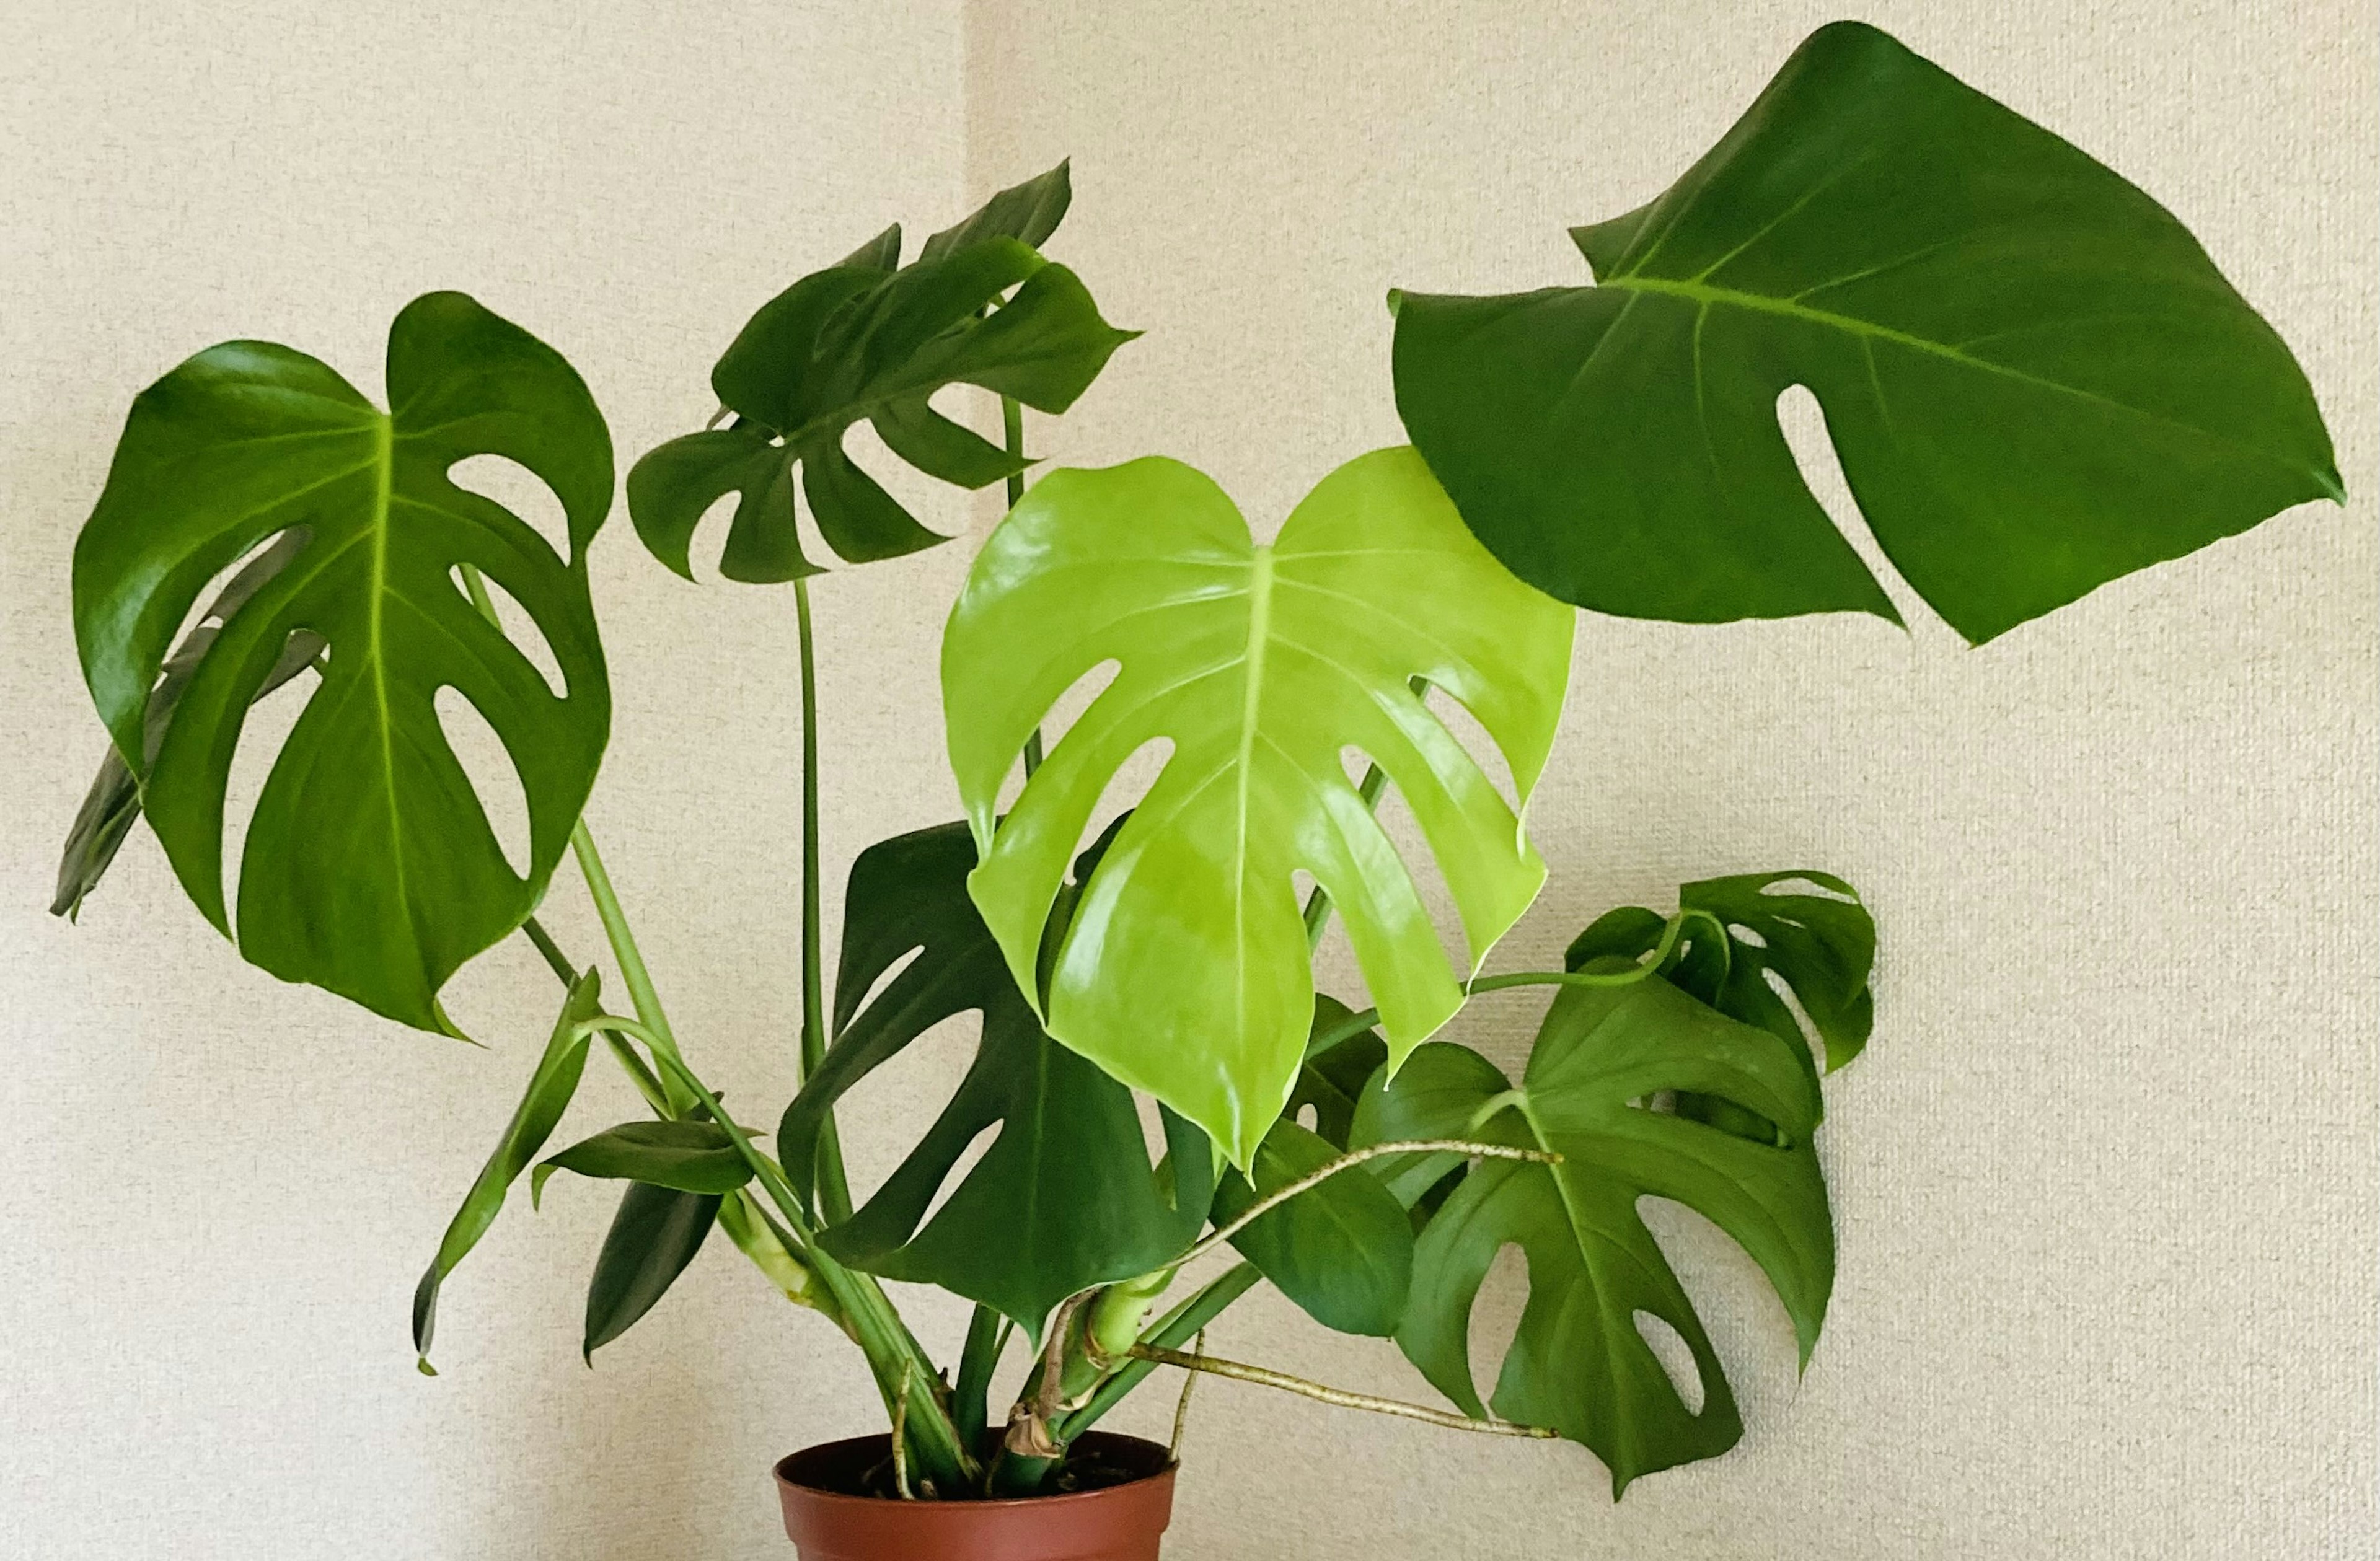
x=113 y=804
x=369 y=867
x=1580 y=1362
x=1342 y=1250
x=550 y=1086
x=1064 y=1198
x=654 y=1236
x=869 y=341
x=1186 y=972
x=2036 y=379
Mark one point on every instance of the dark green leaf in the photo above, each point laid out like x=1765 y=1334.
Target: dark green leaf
x=1028 y=213
x=542 y=1104
x=1580 y=1362
x=1342 y=1250
x=653 y=1237
x=1064 y=1198
x=1331 y=1080
x=879 y=253
x=112 y=803
x=369 y=867
x=2036 y=379
x=855 y=343
x=691 y=1157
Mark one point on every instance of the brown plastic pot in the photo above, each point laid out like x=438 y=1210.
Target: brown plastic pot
x=1124 y=1522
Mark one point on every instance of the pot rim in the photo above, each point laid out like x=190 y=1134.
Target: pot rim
x=983 y=1504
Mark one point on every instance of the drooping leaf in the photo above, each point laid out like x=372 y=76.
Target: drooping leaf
x=1342 y=1250
x=1332 y=1080
x=1580 y=1362
x=862 y=342
x=1064 y=1198
x=1028 y=213
x=690 y=1156
x=369 y=867
x=2034 y=377
x=113 y=804
x=550 y=1086
x=1186 y=972
x=653 y=1237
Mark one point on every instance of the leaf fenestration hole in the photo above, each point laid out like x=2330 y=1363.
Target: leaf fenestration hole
x=1458 y=720
x=1063 y=712
x=890 y=974
x=264 y=726
x=1495 y=1312
x=495 y=781
x=969 y=1158
x=1677 y=1359
x=502 y=480
x=1803 y=420
x=1807 y=887
x=1309 y=1117
x=520 y=628
x=1746 y=935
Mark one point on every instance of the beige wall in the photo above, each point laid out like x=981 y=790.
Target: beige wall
x=2105 y=1178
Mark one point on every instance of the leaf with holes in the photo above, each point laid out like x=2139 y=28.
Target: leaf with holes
x=863 y=341
x=1185 y=971
x=1819 y=945
x=1064 y=1198
x=113 y=804
x=2036 y=379
x=1342 y=1250
x=550 y=1086
x=1580 y=1362
x=369 y=867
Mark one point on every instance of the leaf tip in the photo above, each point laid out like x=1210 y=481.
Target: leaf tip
x=422 y=1365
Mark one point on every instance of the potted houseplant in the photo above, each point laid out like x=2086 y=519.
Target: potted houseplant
x=2036 y=380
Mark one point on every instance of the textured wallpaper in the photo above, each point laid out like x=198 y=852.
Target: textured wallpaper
x=2107 y=1179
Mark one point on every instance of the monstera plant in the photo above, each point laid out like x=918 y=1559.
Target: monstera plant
x=2036 y=380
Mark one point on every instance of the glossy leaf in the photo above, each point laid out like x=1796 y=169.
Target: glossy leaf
x=1580 y=1362
x=654 y=1236
x=113 y=804
x=368 y=867
x=2034 y=377
x=690 y=1156
x=550 y=1089
x=1186 y=972
x=1065 y=1197
x=863 y=341
x=1344 y=1250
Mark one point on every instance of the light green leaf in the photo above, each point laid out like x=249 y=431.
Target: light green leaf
x=1186 y=972
x=1064 y=1198
x=858 y=342
x=2034 y=377
x=542 y=1104
x=1342 y=1250
x=690 y=1156
x=1580 y=1362
x=369 y=867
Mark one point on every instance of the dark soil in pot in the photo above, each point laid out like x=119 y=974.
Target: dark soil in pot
x=1110 y=1503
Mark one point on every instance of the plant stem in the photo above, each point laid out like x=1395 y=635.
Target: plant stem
x=1314 y=1179
x=833 y=1185
x=1184 y=1321
x=1266 y=1378
x=1012 y=428
x=555 y=959
x=629 y=958
x=971 y=1399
